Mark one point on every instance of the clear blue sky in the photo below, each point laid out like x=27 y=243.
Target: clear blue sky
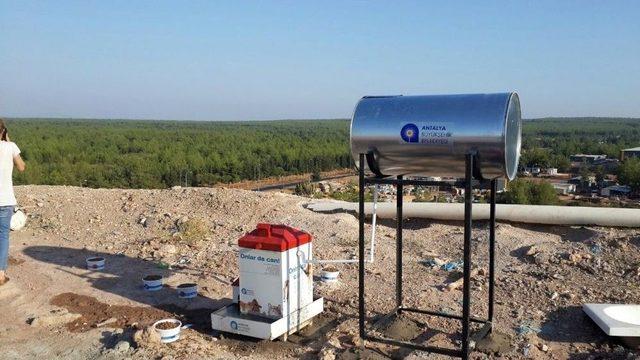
x=236 y=60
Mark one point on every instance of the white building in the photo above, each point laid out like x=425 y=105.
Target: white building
x=629 y=153
x=616 y=190
x=534 y=170
x=564 y=188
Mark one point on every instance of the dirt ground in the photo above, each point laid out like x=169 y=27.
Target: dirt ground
x=54 y=308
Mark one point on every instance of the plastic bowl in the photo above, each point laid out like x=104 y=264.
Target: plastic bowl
x=172 y=333
x=95 y=263
x=152 y=282
x=329 y=275
x=187 y=291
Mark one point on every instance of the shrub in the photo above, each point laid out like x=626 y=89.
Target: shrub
x=304 y=189
x=521 y=191
x=629 y=173
x=194 y=230
x=350 y=194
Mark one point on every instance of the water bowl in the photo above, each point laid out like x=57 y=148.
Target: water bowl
x=168 y=329
x=329 y=274
x=152 y=282
x=187 y=291
x=95 y=263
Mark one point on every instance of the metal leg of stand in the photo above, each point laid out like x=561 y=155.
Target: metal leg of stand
x=466 y=318
x=466 y=295
x=399 y=194
x=492 y=248
x=361 y=217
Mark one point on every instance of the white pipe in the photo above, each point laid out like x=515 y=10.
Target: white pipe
x=533 y=214
x=373 y=221
x=373 y=237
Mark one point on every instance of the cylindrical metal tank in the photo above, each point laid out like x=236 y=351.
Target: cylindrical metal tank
x=430 y=135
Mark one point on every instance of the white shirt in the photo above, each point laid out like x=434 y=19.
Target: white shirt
x=8 y=151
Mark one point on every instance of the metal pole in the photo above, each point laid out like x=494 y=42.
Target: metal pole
x=399 y=194
x=361 y=216
x=466 y=294
x=492 y=247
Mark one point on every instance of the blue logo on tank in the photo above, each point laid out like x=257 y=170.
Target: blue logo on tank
x=410 y=133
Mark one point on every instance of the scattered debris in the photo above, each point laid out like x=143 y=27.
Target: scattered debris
x=543 y=288
x=434 y=262
x=532 y=250
x=458 y=283
x=527 y=328
x=55 y=318
x=452 y=266
x=122 y=346
x=18 y=220
x=107 y=322
x=577 y=257
x=147 y=337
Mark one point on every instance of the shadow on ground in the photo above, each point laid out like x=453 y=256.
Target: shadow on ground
x=566 y=233
x=122 y=276
x=571 y=325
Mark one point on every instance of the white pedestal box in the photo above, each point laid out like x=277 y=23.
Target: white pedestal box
x=274 y=293
x=275 y=279
x=229 y=319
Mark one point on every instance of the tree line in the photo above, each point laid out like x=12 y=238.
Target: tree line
x=549 y=142
x=160 y=154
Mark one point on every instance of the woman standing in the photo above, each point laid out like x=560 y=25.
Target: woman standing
x=9 y=156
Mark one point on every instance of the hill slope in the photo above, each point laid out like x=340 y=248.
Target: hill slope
x=194 y=231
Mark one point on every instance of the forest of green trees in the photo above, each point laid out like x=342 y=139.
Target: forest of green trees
x=160 y=154
x=549 y=142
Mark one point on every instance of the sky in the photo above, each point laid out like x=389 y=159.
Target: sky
x=254 y=60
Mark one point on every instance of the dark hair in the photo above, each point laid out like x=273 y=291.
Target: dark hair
x=3 y=130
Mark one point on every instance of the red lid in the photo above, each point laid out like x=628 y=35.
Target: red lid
x=274 y=238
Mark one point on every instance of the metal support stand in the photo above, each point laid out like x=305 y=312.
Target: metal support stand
x=468 y=183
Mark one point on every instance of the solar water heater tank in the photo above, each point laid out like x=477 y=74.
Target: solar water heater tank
x=430 y=135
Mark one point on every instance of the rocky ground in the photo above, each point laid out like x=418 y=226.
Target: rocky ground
x=54 y=308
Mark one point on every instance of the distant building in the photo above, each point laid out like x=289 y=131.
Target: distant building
x=629 y=153
x=552 y=171
x=616 y=190
x=591 y=180
x=534 y=170
x=564 y=188
x=586 y=158
x=609 y=165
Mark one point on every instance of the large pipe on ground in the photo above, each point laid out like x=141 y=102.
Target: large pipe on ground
x=532 y=214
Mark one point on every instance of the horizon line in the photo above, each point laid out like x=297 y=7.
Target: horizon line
x=285 y=119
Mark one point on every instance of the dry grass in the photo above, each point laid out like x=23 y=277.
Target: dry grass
x=194 y=230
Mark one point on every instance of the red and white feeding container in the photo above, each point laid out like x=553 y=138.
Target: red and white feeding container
x=276 y=277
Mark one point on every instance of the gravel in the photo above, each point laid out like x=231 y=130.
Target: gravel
x=544 y=273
